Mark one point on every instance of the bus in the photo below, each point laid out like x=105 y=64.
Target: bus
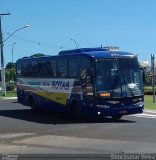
x=100 y=81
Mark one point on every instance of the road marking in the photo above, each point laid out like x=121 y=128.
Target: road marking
x=146 y=114
x=15 y=135
x=149 y=111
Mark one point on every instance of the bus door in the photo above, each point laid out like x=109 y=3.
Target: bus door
x=87 y=84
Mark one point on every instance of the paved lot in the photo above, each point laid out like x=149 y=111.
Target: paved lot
x=22 y=131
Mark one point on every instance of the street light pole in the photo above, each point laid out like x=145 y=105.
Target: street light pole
x=74 y=42
x=153 y=76
x=15 y=32
x=2 y=58
x=12 y=51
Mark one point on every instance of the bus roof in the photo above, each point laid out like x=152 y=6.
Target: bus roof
x=98 y=52
x=101 y=52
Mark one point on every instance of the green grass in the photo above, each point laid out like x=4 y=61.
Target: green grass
x=147 y=88
x=8 y=94
x=148 y=101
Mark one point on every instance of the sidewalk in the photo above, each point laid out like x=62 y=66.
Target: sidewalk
x=6 y=98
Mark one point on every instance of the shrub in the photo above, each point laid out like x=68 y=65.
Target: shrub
x=10 y=87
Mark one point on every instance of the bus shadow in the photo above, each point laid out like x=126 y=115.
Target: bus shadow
x=54 y=117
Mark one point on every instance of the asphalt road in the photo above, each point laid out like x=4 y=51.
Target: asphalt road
x=22 y=131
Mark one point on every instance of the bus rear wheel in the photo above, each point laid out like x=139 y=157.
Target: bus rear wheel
x=20 y=97
x=33 y=105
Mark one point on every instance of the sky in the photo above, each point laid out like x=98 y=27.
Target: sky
x=128 y=24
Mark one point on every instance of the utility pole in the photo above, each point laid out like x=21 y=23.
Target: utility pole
x=2 y=57
x=153 y=76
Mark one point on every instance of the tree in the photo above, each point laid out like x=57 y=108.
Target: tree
x=10 y=74
x=37 y=55
x=10 y=65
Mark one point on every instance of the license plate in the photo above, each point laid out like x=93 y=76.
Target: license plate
x=123 y=112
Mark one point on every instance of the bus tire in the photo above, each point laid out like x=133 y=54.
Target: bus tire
x=117 y=117
x=19 y=99
x=33 y=105
x=75 y=110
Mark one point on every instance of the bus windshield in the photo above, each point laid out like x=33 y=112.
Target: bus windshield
x=118 y=77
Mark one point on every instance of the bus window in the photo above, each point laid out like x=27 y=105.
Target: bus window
x=33 y=69
x=24 y=70
x=45 y=69
x=62 y=67
x=107 y=76
x=18 y=69
x=53 y=68
x=84 y=62
x=73 y=68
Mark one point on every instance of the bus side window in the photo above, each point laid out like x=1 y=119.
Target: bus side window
x=34 y=68
x=84 y=62
x=24 y=70
x=44 y=68
x=62 y=67
x=53 y=68
x=73 y=68
x=18 y=69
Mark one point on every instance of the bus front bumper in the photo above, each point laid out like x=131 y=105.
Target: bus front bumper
x=120 y=111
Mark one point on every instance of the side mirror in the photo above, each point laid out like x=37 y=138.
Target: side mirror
x=83 y=74
x=86 y=81
x=86 y=74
